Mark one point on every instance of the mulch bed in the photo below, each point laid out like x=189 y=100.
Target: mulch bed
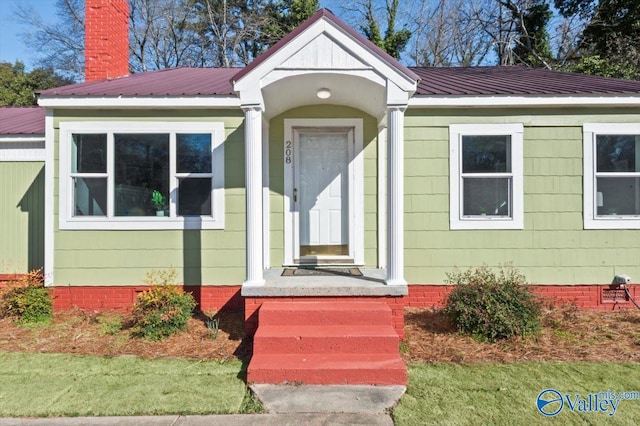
x=568 y=335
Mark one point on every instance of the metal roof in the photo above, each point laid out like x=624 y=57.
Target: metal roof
x=452 y=81
x=518 y=81
x=22 y=121
x=168 y=82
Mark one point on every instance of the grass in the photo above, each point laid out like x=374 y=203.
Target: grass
x=45 y=385
x=505 y=394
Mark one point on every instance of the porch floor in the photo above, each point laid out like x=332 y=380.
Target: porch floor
x=371 y=283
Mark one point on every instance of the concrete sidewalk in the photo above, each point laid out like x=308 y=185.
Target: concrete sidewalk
x=297 y=419
x=311 y=405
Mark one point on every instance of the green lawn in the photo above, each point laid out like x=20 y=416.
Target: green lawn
x=505 y=394
x=44 y=385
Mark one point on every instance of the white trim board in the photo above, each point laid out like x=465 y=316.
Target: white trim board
x=456 y=219
x=49 y=199
x=524 y=101
x=22 y=148
x=141 y=102
x=110 y=222
x=356 y=192
x=591 y=220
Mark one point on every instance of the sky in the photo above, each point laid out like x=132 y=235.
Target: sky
x=11 y=46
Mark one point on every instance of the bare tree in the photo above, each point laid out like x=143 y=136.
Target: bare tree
x=58 y=45
x=162 y=35
x=447 y=33
x=231 y=30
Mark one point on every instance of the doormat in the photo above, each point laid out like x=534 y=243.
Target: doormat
x=321 y=272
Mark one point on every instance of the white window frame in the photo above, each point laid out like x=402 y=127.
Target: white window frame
x=590 y=131
x=456 y=220
x=110 y=222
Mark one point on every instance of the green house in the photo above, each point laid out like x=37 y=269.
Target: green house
x=324 y=153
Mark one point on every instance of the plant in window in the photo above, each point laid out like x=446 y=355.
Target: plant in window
x=159 y=202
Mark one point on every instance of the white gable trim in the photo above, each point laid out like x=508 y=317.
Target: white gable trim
x=255 y=79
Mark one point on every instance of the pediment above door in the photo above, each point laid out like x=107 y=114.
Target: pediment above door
x=324 y=52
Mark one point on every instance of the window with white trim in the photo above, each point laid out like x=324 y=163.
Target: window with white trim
x=486 y=189
x=611 y=175
x=151 y=175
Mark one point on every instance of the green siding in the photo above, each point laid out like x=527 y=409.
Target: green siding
x=553 y=248
x=21 y=216
x=207 y=257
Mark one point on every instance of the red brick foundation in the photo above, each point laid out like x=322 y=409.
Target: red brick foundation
x=122 y=298
x=219 y=298
x=583 y=296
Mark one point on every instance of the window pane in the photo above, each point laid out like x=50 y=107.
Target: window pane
x=89 y=154
x=90 y=196
x=194 y=153
x=618 y=196
x=618 y=153
x=486 y=154
x=141 y=166
x=194 y=197
x=486 y=196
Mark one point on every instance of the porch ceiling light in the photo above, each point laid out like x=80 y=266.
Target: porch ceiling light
x=324 y=93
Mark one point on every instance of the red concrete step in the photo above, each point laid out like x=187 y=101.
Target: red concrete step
x=320 y=369
x=349 y=339
x=324 y=313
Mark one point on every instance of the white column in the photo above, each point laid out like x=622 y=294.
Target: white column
x=395 y=195
x=382 y=196
x=253 y=187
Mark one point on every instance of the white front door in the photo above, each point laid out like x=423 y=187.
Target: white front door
x=323 y=197
x=321 y=192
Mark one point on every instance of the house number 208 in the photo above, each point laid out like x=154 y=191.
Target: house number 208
x=288 y=152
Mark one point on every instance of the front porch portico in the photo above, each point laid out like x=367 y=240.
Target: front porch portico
x=351 y=72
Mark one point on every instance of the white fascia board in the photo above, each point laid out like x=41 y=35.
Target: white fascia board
x=381 y=67
x=141 y=102
x=525 y=101
x=21 y=138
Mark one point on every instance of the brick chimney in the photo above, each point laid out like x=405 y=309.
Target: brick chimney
x=106 y=39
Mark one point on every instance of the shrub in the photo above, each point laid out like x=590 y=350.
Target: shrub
x=163 y=310
x=27 y=300
x=110 y=324
x=492 y=306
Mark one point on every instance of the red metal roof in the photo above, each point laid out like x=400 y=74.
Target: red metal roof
x=517 y=81
x=168 y=82
x=22 y=121
x=475 y=81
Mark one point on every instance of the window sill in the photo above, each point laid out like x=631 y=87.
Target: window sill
x=615 y=222
x=489 y=223
x=141 y=223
